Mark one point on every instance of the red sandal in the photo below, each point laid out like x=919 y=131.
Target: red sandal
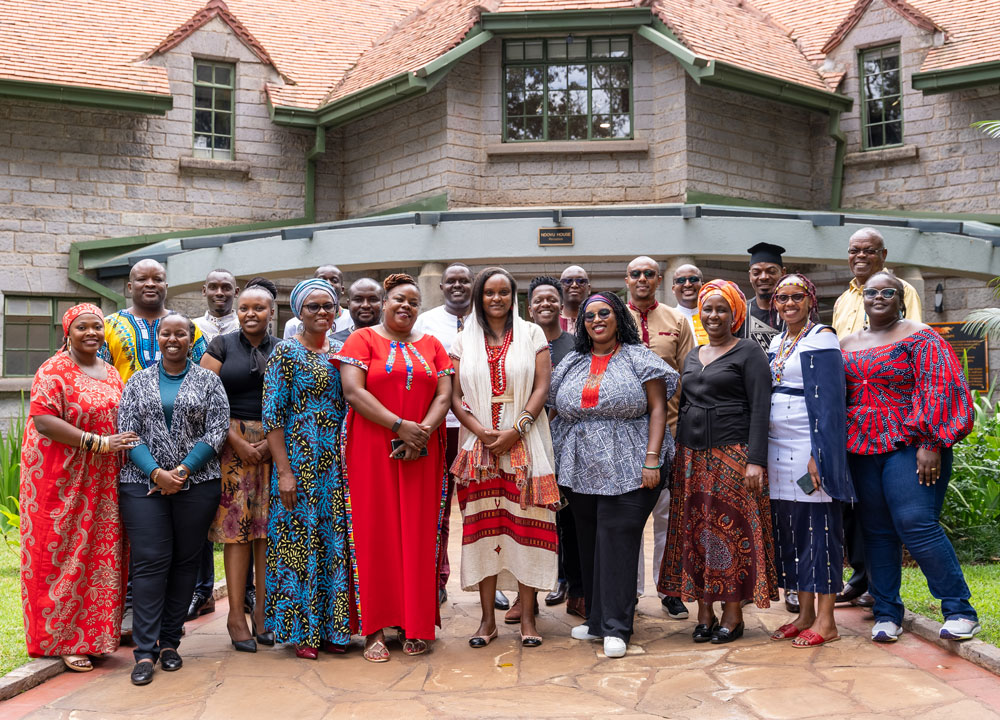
x=786 y=632
x=809 y=638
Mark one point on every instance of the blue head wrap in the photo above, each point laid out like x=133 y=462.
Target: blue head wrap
x=305 y=288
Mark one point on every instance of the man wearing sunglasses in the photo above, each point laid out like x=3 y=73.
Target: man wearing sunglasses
x=667 y=333
x=866 y=255
x=687 y=285
x=576 y=288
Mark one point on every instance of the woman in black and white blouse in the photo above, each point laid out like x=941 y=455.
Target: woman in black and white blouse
x=169 y=492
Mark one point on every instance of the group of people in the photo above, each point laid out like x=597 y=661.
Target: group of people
x=327 y=461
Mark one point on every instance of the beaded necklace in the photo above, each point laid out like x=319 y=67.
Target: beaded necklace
x=786 y=349
x=407 y=360
x=497 y=357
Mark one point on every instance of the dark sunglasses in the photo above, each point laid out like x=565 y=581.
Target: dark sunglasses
x=575 y=281
x=603 y=313
x=648 y=274
x=689 y=280
x=316 y=307
x=794 y=297
x=886 y=293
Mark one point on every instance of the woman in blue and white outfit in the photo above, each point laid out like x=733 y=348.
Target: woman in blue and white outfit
x=807 y=462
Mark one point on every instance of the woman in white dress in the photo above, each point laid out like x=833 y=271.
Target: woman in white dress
x=807 y=462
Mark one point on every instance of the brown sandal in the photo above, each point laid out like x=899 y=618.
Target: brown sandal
x=414 y=647
x=77 y=663
x=377 y=652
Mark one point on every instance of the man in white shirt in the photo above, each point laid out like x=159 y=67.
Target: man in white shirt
x=445 y=322
x=687 y=284
x=220 y=291
x=364 y=305
x=333 y=275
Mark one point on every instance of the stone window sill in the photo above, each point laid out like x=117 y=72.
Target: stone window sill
x=571 y=147
x=878 y=157
x=15 y=384
x=210 y=166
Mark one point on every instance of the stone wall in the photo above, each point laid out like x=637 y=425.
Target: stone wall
x=955 y=169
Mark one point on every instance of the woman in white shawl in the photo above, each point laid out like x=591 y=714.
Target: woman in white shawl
x=504 y=466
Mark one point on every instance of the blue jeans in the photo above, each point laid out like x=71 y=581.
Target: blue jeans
x=897 y=510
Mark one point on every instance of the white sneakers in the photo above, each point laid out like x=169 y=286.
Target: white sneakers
x=886 y=632
x=614 y=647
x=582 y=632
x=959 y=629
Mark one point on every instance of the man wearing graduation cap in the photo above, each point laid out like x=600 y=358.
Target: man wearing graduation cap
x=765 y=270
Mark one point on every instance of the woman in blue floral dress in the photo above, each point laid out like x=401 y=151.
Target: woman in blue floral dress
x=308 y=563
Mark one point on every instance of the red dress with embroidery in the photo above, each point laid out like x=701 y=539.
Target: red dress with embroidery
x=72 y=575
x=912 y=392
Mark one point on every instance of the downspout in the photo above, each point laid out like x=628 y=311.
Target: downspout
x=318 y=148
x=840 y=139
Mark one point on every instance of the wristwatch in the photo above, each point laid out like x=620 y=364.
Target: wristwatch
x=182 y=472
x=396 y=425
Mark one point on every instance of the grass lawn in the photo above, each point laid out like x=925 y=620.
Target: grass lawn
x=12 y=652
x=984 y=581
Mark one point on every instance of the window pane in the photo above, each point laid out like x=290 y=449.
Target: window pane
x=223 y=75
x=557 y=49
x=15 y=336
x=38 y=337
x=203 y=72
x=223 y=124
x=515 y=50
x=35 y=360
x=890 y=62
x=533 y=79
x=601 y=103
x=601 y=127
x=203 y=121
x=15 y=364
x=893 y=109
x=621 y=126
x=17 y=306
x=578 y=102
x=515 y=128
x=577 y=77
x=515 y=81
x=203 y=97
x=893 y=133
x=578 y=127
x=890 y=83
x=557 y=127
x=619 y=100
x=533 y=128
x=61 y=307
x=557 y=103
x=533 y=50
x=875 y=136
x=577 y=49
x=599 y=75
x=557 y=77
x=619 y=75
x=202 y=142
x=619 y=47
x=533 y=104
x=224 y=100
x=875 y=111
x=38 y=307
x=222 y=142
x=515 y=106
x=600 y=47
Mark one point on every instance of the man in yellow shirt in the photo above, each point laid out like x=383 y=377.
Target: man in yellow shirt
x=866 y=255
x=687 y=284
x=667 y=333
x=130 y=334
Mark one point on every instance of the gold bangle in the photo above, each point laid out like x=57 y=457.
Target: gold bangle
x=152 y=477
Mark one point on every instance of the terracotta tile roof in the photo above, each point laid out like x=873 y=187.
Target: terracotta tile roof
x=902 y=7
x=328 y=49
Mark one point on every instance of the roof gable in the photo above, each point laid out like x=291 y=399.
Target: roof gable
x=908 y=11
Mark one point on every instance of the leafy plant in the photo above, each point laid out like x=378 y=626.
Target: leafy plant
x=10 y=478
x=990 y=127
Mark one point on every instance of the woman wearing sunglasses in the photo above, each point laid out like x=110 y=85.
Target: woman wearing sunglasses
x=612 y=447
x=907 y=404
x=807 y=462
x=307 y=531
x=719 y=542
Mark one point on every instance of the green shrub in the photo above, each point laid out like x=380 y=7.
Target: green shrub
x=10 y=478
x=972 y=505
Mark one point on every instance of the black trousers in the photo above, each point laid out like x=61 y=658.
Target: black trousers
x=609 y=529
x=569 y=552
x=167 y=535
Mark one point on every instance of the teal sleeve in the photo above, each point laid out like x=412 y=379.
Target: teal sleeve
x=143 y=459
x=198 y=457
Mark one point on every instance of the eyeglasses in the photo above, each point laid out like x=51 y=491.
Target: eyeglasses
x=316 y=307
x=689 y=280
x=863 y=251
x=648 y=274
x=567 y=282
x=794 y=297
x=603 y=313
x=884 y=293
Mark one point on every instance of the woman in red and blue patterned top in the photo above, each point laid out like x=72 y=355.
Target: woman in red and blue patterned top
x=907 y=404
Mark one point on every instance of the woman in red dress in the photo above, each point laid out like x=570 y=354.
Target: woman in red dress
x=398 y=384
x=72 y=575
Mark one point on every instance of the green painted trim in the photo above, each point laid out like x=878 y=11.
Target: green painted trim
x=840 y=151
x=566 y=20
x=721 y=74
x=291 y=116
x=88 y=96
x=432 y=203
x=967 y=76
x=370 y=99
x=473 y=39
x=658 y=35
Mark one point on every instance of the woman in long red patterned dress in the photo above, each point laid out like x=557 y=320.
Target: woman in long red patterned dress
x=504 y=463
x=72 y=575
x=907 y=404
x=398 y=384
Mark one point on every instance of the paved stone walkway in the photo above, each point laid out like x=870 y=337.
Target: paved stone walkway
x=663 y=675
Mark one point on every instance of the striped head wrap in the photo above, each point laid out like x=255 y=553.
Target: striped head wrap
x=76 y=311
x=802 y=283
x=732 y=294
x=305 y=288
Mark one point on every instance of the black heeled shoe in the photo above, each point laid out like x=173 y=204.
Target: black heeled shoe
x=264 y=638
x=703 y=633
x=245 y=645
x=724 y=635
x=142 y=672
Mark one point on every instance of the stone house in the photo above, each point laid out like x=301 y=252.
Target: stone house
x=274 y=137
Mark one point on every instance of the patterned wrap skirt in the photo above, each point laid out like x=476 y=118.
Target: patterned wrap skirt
x=242 y=513
x=719 y=540
x=809 y=540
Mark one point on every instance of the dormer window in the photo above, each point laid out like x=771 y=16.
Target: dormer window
x=214 y=85
x=881 y=98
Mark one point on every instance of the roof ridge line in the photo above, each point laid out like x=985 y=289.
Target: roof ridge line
x=909 y=12
x=217 y=9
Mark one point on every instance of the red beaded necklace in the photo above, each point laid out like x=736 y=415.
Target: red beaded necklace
x=497 y=355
